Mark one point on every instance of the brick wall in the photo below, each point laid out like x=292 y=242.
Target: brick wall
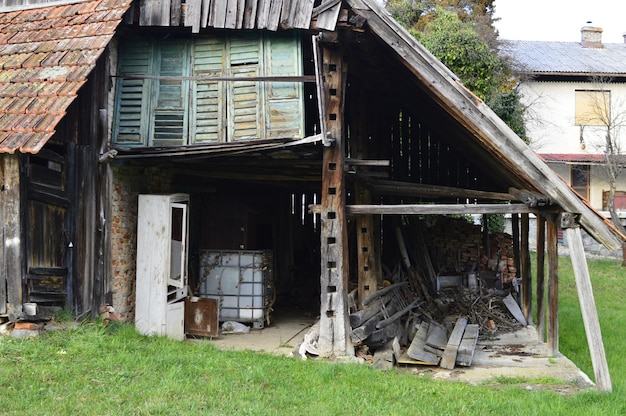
x=127 y=184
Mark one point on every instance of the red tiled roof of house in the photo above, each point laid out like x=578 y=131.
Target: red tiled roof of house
x=46 y=54
x=578 y=157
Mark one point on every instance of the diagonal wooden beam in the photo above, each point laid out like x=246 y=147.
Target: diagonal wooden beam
x=588 y=309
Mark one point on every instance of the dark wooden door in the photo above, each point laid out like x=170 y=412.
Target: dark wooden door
x=47 y=226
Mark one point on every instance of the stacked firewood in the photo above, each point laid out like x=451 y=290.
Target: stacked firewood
x=454 y=244
x=501 y=260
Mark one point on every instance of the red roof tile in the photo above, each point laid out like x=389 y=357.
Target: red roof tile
x=581 y=158
x=46 y=54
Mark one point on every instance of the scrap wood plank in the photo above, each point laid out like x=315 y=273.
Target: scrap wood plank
x=358 y=318
x=514 y=308
x=438 y=352
x=467 y=347
x=361 y=333
x=375 y=303
x=449 y=354
x=437 y=336
x=416 y=349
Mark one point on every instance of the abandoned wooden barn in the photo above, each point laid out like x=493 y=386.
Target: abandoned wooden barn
x=148 y=145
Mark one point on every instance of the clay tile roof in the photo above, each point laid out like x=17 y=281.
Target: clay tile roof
x=46 y=54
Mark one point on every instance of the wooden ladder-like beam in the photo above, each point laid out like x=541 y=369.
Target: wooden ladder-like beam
x=334 y=339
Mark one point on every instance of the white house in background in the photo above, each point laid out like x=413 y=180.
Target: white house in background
x=561 y=87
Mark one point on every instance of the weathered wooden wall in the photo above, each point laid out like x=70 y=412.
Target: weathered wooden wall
x=11 y=249
x=227 y=14
x=88 y=286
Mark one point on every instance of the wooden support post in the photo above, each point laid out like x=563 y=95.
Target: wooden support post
x=541 y=247
x=366 y=252
x=334 y=337
x=552 y=314
x=527 y=282
x=11 y=251
x=588 y=308
x=368 y=258
x=516 y=254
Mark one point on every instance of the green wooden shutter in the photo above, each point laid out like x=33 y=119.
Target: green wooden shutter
x=169 y=124
x=133 y=95
x=284 y=103
x=245 y=109
x=209 y=97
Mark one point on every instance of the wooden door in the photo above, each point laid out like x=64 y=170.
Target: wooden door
x=47 y=227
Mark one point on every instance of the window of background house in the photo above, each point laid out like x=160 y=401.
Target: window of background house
x=580 y=179
x=593 y=107
x=166 y=97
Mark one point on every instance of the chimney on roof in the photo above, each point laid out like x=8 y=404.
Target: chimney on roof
x=591 y=36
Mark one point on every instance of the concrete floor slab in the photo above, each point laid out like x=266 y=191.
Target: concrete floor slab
x=284 y=335
x=517 y=354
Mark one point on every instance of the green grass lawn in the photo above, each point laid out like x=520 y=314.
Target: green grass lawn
x=94 y=371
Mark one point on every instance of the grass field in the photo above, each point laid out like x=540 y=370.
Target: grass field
x=92 y=370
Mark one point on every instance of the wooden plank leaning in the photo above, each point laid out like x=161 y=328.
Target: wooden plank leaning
x=467 y=347
x=588 y=309
x=416 y=350
x=449 y=354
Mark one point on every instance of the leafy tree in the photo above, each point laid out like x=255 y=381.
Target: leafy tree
x=458 y=46
x=419 y=14
x=449 y=29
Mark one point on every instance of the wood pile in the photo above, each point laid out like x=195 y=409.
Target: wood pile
x=378 y=320
x=430 y=325
x=443 y=332
x=502 y=260
x=454 y=244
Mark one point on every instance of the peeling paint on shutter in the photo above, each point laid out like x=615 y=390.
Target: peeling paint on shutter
x=170 y=121
x=208 y=97
x=193 y=110
x=284 y=104
x=133 y=94
x=245 y=109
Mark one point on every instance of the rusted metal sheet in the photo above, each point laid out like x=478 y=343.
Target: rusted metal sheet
x=47 y=53
x=202 y=317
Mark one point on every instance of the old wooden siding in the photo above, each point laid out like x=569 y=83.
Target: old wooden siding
x=177 y=111
x=227 y=14
x=10 y=253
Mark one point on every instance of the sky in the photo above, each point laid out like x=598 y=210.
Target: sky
x=560 y=20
